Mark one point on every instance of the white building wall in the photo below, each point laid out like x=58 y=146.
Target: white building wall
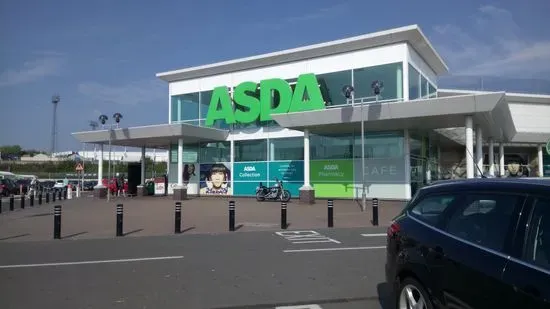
x=419 y=64
x=530 y=117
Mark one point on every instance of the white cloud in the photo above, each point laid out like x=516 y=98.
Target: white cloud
x=128 y=94
x=492 y=44
x=48 y=65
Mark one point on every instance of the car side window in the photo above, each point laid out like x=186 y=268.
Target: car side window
x=537 y=246
x=484 y=219
x=431 y=208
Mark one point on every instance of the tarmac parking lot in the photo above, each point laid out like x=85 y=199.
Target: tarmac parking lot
x=258 y=266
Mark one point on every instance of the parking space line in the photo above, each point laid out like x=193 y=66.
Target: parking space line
x=92 y=262
x=312 y=306
x=334 y=249
x=374 y=235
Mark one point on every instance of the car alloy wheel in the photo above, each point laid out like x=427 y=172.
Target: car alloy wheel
x=411 y=298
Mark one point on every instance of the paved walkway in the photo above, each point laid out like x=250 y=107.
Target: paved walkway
x=87 y=217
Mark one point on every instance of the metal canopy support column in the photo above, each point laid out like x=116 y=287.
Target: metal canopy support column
x=501 y=159
x=307 y=193
x=540 y=161
x=491 y=157
x=479 y=151
x=469 y=123
x=407 y=153
x=142 y=166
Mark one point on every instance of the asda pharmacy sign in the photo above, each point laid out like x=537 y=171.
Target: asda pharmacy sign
x=306 y=96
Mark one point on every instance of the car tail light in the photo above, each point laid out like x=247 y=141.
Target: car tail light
x=393 y=229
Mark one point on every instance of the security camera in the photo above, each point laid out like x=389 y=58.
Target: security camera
x=347 y=90
x=377 y=87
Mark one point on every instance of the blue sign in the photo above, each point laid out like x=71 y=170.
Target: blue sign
x=287 y=170
x=251 y=171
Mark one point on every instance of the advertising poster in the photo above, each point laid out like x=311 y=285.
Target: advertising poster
x=290 y=172
x=190 y=175
x=215 y=179
x=332 y=178
x=247 y=176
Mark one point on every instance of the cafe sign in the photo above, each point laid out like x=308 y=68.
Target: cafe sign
x=306 y=96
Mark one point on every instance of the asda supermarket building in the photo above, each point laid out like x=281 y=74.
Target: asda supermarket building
x=283 y=115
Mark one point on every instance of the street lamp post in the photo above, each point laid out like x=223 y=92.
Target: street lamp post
x=103 y=119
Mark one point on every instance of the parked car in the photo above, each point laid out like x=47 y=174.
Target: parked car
x=476 y=243
x=8 y=187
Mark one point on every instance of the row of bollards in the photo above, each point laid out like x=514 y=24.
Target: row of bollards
x=178 y=217
x=22 y=200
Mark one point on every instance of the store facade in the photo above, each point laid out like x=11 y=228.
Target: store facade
x=284 y=116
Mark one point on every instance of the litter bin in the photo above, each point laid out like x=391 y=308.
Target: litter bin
x=150 y=188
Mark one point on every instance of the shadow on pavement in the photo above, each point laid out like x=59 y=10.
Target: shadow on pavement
x=73 y=235
x=188 y=229
x=132 y=232
x=16 y=236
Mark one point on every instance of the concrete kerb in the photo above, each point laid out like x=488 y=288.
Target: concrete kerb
x=154 y=216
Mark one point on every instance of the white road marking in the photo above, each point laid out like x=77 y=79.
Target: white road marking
x=374 y=235
x=305 y=237
x=312 y=306
x=92 y=262
x=334 y=249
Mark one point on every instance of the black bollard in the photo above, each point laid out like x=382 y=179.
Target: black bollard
x=31 y=200
x=0 y=204
x=119 y=219
x=375 y=211
x=12 y=203
x=65 y=193
x=232 y=216
x=330 y=207
x=22 y=201
x=57 y=222
x=54 y=194
x=40 y=198
x=47 y=197
x=177 y=223
x=283 y=216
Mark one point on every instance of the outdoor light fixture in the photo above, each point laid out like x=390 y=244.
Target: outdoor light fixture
x=117 y=117
x=377 y=87
x=349 y=92
x=103 y=119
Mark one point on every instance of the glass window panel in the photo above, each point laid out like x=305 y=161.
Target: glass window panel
x=206 y=96
x=380 y=145
x=215 y=152
x=331 y=85
x=331 y=147
x=287 y=148
x=174 y=103
x=432 y=91
x=390 y=74
x=189 y=106
x=414 y=83
x=251 y=150
x=423 y=87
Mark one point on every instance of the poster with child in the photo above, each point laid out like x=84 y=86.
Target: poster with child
x=215 y=179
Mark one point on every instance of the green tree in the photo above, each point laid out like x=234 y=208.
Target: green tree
x=14 y=150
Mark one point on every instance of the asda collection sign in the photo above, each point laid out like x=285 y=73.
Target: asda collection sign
x=306 y=96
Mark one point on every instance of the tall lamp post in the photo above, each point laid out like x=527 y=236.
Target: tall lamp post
x=55 y=100
x=349 y=92
x=103 y=119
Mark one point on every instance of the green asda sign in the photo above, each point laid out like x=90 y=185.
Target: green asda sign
x=305 y=97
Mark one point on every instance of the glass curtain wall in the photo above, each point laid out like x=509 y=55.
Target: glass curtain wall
x=419 y=86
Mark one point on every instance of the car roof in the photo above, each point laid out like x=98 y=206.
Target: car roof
x=520 y=183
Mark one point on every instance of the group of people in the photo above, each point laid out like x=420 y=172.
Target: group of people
x=118 y=186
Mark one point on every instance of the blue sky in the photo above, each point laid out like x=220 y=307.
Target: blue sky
x=101 y=56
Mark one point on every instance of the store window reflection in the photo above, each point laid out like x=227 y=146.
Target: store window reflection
x=392 y=76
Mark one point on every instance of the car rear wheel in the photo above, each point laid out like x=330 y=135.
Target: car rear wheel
x=412 y=295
